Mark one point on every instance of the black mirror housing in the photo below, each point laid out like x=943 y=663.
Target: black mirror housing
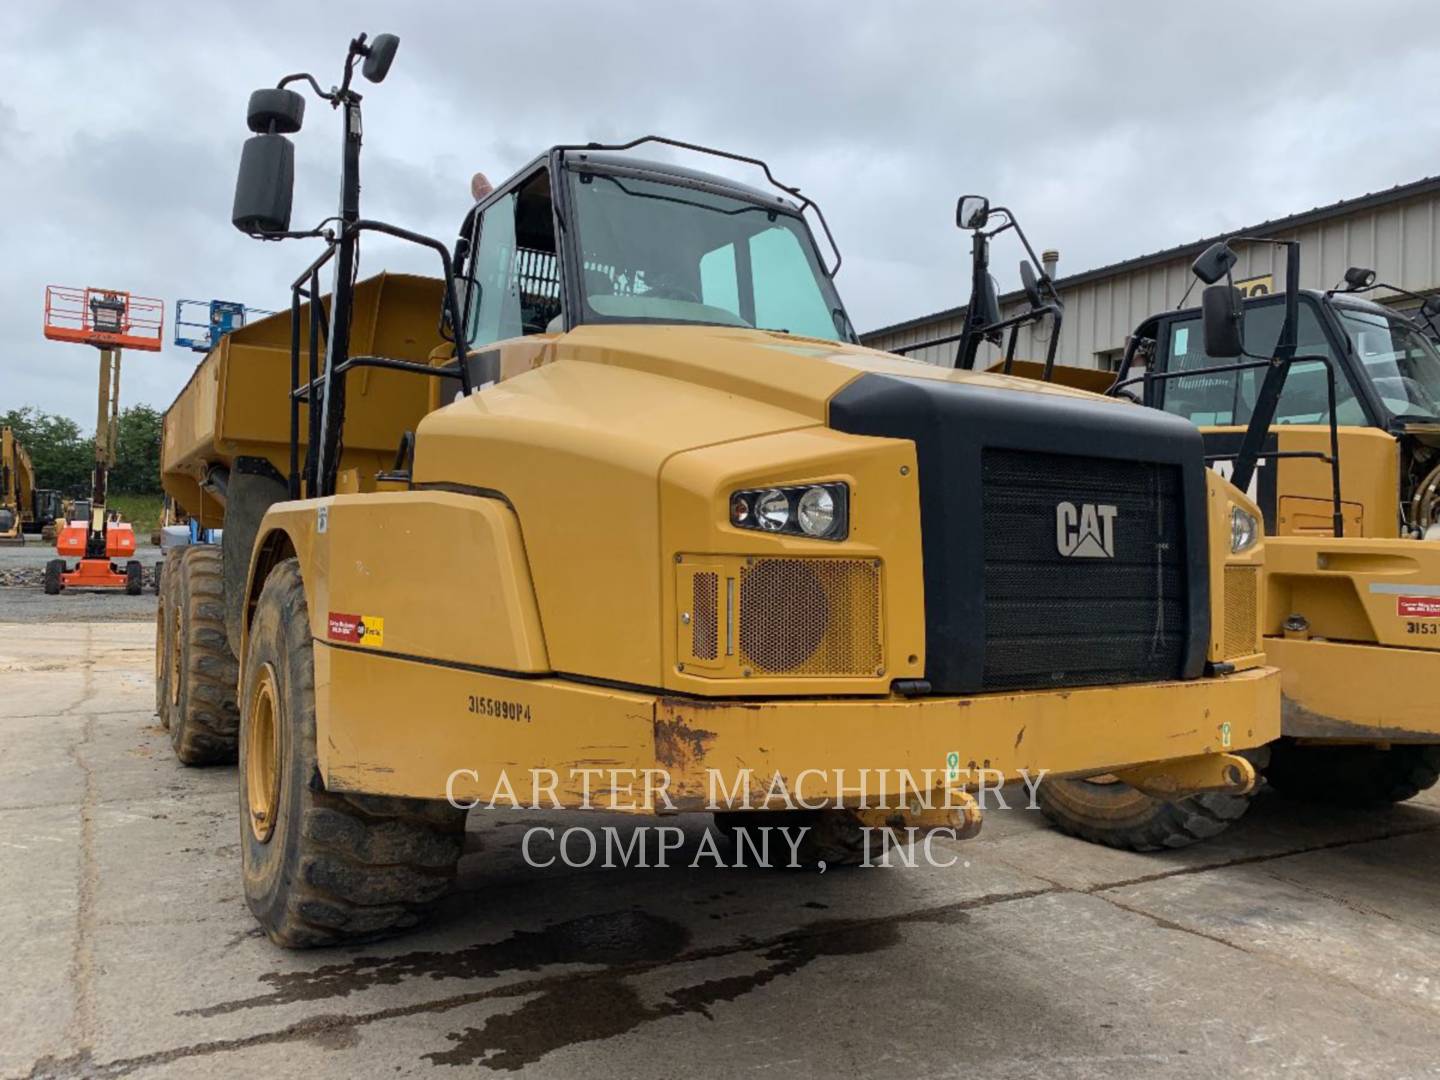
x=1214 y=263
x=272 y=111
x=380 y=56
x=972 y=212
x=265 y=186
x=1221 y=312
x=985 y=308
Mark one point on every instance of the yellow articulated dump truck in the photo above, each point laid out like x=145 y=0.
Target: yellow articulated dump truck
x=1325 y=408
x=17 y=490
x=618 y=513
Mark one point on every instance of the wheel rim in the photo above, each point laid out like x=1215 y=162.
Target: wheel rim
x=261 y=733
x=175 y=658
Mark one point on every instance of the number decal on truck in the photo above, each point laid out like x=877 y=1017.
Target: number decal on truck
x=1422 y=628
x=497 y=707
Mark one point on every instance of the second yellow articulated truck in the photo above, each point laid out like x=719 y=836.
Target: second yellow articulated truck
x=665 y=527
x=1325 y=408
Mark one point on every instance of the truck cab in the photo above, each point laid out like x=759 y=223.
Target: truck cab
x=1387 y=408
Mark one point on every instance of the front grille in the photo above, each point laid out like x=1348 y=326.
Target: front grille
x=811 y=617
x=705 y=623
x=1241 y=599
x=1099 y=615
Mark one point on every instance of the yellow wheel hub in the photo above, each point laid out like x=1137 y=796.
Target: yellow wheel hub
x=261 y=732
x=175 y=658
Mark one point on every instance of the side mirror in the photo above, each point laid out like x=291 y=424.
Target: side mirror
x=1031 y=285
x=1358 y=277
x=380 y=57
x=1220 y=316
x=278 y=112
x=1214 y=263
x=972 y=212
x=1431 y=307
x=265 y=185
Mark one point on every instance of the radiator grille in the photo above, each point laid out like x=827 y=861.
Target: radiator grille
x=1095 y=617
x=705 y=617
x=811 y=617
x=1241 y=599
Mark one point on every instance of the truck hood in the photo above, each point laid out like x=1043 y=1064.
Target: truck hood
x=798 y=374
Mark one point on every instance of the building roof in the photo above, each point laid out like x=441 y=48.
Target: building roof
x=1369 y=201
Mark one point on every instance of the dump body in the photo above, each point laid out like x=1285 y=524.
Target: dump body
x=235 y=407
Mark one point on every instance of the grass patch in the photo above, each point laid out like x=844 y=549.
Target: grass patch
x=141 y=511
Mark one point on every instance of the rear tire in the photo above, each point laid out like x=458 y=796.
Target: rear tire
x=134 y=578
x=834 y=837
x=1118 y=816
x=321 y=868
x=53 y=569
x=204 y=721
x=1353 y=776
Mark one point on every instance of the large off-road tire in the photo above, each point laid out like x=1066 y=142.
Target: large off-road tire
x=166 y=654
x=53 y=569
x=1355 y=776
x=320 y=867
x=134 y=578
x=204 y=721
x=833 y=837
x=1112 y=813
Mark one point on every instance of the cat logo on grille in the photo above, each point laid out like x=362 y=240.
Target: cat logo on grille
x=1086 y=531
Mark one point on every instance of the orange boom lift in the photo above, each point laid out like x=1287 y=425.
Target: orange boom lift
x=109 y=320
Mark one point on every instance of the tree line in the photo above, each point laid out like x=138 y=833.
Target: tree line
x=64 y=456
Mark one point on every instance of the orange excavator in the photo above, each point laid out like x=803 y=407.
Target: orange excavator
x=95 y=537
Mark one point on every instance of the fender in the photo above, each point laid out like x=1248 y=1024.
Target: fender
x=429 y=577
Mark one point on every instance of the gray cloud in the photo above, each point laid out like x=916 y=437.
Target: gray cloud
x=1111 y=128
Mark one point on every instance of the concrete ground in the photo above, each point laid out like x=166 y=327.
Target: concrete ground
x=1305 y=942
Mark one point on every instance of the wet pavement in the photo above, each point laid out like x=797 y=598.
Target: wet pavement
x=1304 y=942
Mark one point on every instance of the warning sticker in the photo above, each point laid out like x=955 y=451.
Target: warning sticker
x=1418 y=607
x=368 y=630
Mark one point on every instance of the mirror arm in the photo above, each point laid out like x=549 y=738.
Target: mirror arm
x=305 y=76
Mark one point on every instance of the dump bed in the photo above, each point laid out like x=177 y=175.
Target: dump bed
x=237 y=403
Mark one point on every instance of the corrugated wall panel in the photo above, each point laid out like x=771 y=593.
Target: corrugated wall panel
x=1400 y=242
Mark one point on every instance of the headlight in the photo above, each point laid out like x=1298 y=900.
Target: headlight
x=818 y=511
x=1244 y=530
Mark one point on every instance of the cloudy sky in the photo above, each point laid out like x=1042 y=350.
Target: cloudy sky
x=1112 y=128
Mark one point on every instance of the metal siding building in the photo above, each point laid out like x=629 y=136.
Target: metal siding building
x=1394 y=232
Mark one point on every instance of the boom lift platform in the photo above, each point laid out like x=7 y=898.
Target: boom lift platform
x=202 y=333
x=109 y=320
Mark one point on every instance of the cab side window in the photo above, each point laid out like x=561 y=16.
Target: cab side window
x=514 y=283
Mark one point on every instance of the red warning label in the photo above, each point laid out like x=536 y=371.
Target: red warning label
x=357 y=629
x=1418 y=607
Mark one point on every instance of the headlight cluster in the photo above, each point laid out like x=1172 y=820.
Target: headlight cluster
x=820 y=511
x=1244 y=530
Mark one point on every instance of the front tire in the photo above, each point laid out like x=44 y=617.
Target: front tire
x=53 y=569
x=134 y=578
x=204 y=720
x=321 y=868
x=1352 y=776
x=1117 y=815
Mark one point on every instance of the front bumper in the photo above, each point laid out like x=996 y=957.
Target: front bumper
x=397 y=726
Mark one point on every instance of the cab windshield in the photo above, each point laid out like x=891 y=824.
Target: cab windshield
x=1399 y=360
x=656 y=252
